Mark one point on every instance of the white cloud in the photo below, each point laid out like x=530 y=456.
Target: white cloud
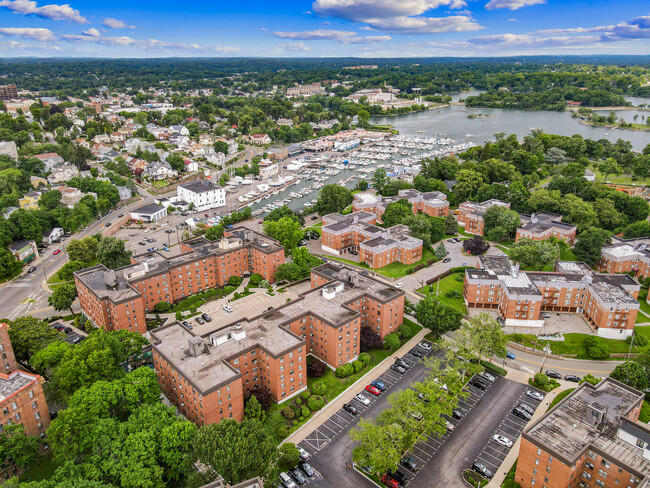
x=294 y=46
x=399 y=16
x=512 y=4
x=91 y=32
x=17 y=45
x=52 y=11
x=318 y=34
x=513 y=20
x=637 y=28
x=116 y=24
x=38 y=34
x=365 y=39
x=147 y=44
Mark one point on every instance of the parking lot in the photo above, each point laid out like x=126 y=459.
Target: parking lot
x=511 y=427
x=440 y=460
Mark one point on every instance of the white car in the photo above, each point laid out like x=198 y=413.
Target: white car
x=362 y=399
x=399 y=285
x=487 y=376
x=227 y=308
x=425 y=345
x=535 y=394
x=147 y=230
x=504 y=441
x=304 y=455
x=450 y=426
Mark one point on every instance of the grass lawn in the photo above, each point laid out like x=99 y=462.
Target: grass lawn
x=447 y=284
x=42 y=470
x=461 y=231
x=573 y=343
x=56 y=278
x=645 y=307
x=621 y=180
x=560 y=396
x=159 y=184
x=334 y=386
x=567 y=255
x=315 y=229
x=397 y=270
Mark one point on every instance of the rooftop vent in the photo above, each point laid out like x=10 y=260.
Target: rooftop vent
x=110 y=279
x=596 y=414
x=195 y=345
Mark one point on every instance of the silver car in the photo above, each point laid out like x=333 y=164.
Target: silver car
x=362 y=399
x=535 y=394
x=503 y=440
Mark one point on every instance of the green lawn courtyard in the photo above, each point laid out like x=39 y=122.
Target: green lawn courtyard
x=448 y=285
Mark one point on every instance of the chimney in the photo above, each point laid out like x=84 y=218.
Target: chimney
x=515 y=270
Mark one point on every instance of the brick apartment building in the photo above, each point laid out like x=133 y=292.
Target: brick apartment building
x=208 y=376
x=470 y=214
x=590 y=439
x=118 y=299
x=543 y=225
x=625 y=256
x=8 y=92
x=22 y=400
x=377 y=246
x=433 y=203
x=607 y=301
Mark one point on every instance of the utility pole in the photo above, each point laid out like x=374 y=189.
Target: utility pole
x=629 y=351
x=547 y=349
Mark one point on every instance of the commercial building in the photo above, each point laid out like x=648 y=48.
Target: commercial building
x=606 y=301
x=207 y=376
x=203 y=194
x=377 y=246
x=118 y=299
x=433 y=203
x=543 y=225
x=470 y=214
x=626 y=256
x=8 y=92
x=25 y=251
x=305 y=90
x=149 y=213
x=592 y=438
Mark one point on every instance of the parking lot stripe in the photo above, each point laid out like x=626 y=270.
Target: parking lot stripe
x=425 y=452
x=328 y=428
x=331 y=419
x=342 y=417
x=393 y=376
x=498 y=458
x=411 y=453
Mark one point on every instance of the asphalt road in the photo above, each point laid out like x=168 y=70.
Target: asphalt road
x=531 y=363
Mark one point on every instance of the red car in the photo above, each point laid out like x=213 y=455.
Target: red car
x=389 y=481
x=373 y=389
x=56 y=252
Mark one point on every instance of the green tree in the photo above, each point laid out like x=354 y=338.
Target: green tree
x=302 y=258
x=362 y=185
x=289 y=272
x=379 y=180
x=333 y=199
x=235 y=450
x=572 y=170
x=451 y=226
x=177 y=162
x=50 y=200
x=632 y=374
x=534 y=255
x=289 y=454
x=285 y=211
x=63 y=297
x=29 y=334
x=9 y=265
x=17 y=445
x=363 y=116
x=555 y=155
x=112 y=253
x=83 y=250
x=497 y=216
x=437 y=317
x=467 y=185
x=441 y=251
x=213 y=233
x=397 y=212
x=253 y=409
x=482 y=336
x=590 y=243
x=391 y=341
x=221 y=147
x=286 y=230
x=609 y=167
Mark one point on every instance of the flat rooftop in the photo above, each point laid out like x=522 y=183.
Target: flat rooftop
x=149 y=209
x=200 y=186
x=481 y=208
x=14 y=382
x=108 y=283
x=570 y=427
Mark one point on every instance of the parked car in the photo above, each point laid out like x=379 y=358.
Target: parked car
x=269 y=309
x=362 y=399
x=379 y=385
x=107 y=224
x=297 y=475
x=546 y=315
x=398 y=369
x=142 y=243
x=206 y=317
x=501 y=322
x=77 y=339
x=199 y=320
x=425 y=345
x=286 y=481
x=423 y=398
x=487 y=376
x=354 y=253
x=502 y=440
x=120 y=216
x=450 y=426
x=510 y=355
x=457 y=414
x=398 y=475
x=528 y=408
x=402 y=363
x=416 y=416
x=169 y=231
x=521 y=413
x=227 y=308
x=314 y=217
x=351 y=409
x=553 y=374
x=365 y=273
x=31 y=269
x=399 y=285
x=535 y=395
x=373 y=390
x=409 y=464
x=572 y=377
x=481 y=469
x=56 y=251
x=416 y=353
x=390 y=481
x=187 y=324
x=446 y=260
x=304 y=455
x=306 y=468
x=475 y=382
x=58 y=326
x=67 y=330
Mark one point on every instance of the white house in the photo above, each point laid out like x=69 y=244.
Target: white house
x=9 y=148
x=159 y=171
x=149 y=213
x=191 y=166
x=179 y=129
x=203 y=194
x=62 y=174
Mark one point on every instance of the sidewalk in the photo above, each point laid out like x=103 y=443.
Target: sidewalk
x=346 y=396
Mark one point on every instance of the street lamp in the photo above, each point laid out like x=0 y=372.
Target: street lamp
x=547 y=349
x=630 y=349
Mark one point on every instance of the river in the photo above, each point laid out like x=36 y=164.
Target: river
x=452 y=122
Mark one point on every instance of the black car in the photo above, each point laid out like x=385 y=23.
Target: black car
x=297 y=475
x=521 y=413
x=417 y=353
x=31 y=269
x=314 y=217
x=457 y=414
x=306 y=469
x=475 y=382
x=269 y=309
x=206 y=317
x=409 y=464
x=402 y=363
x=572 y=377
x=365 y=273
x=67 y=330
x=446 y=260
x=398 y=476
x=398 y=369
x=480 y=468
x=354 y=253
x=350 y=409
x=423 y=398
x=553 y=374
x=199 y=320
x=120 y=215
x=187 y=324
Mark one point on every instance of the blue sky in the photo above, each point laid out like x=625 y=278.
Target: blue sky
x=322 y=28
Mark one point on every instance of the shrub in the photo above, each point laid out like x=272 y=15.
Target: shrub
x=246 y=290
x=639 y=340
x=288 y=413
x=357 y=365
x=369 y=339
x=301 y=419
x=305 y=411
x=316 y=369
x=289 y=453
x=365 y=357
x=162 y=307
x=255 y=279
x=315 y=403
x=283 y=432
x=404 y=331
x=235 y=280
x=493 y=368
x=344 y=370
x=391 y=341
x=541 y=380
x=298 y=401
x=643 y=293
x=305 y=394
x=452 y=294
x=594 y=348
x=318 y=388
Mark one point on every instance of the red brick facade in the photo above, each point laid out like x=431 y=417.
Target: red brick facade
x=470 y=215
x=9 y=363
